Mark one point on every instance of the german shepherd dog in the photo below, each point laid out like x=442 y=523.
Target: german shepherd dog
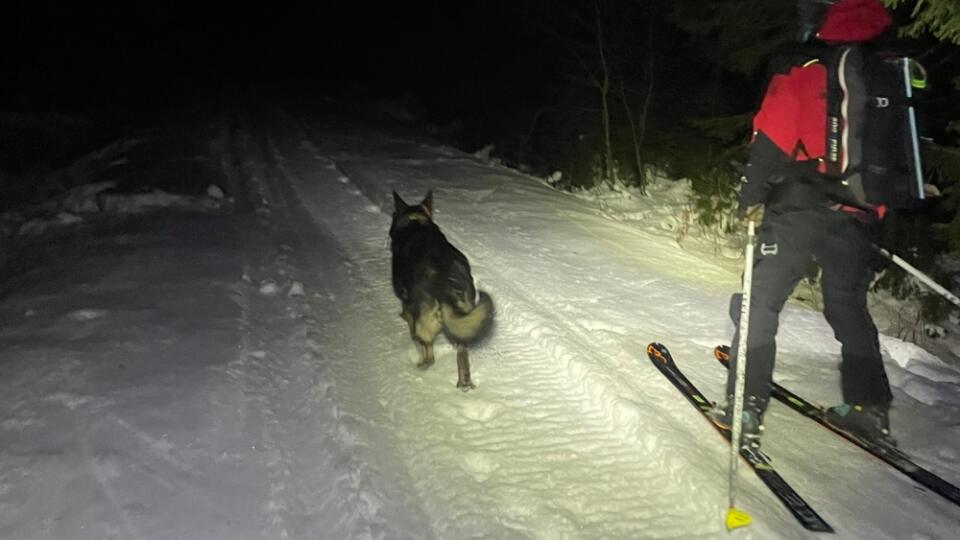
x=433 y=282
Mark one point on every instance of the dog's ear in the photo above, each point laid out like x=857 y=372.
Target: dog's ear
x=398 y=203
x=427 y=203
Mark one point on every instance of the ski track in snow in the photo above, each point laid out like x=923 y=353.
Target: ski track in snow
x=537 y=441
x=322 y=485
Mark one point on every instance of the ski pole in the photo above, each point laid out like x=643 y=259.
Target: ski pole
x=737 y=518
x=912 y=117
x=927 y=280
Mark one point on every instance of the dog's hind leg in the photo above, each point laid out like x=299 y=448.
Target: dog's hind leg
x=463 y=369
x=424 y=329
x=426 y=354
x=423 y=347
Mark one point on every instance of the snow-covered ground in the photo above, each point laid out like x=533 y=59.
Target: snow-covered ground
x=191 y=373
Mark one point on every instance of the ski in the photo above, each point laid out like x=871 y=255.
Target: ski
x=889 y=454
x=759 y=462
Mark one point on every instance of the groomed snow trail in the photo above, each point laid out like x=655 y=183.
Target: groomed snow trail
x=532 y=451
x=570 y=432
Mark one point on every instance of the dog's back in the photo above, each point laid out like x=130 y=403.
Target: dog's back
x=425 y=262
x=430 y=273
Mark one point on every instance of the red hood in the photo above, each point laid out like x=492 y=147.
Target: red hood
x=854 y=20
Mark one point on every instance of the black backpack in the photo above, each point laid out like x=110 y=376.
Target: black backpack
x=872 y=143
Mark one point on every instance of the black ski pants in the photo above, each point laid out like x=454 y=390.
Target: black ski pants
x=787 y=244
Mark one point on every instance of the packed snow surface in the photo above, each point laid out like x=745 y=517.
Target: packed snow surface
x=213 y=375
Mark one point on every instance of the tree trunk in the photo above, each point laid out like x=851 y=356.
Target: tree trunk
x=609 y=173
x=639 y=132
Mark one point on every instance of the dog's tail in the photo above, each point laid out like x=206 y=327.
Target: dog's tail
x=470 y=327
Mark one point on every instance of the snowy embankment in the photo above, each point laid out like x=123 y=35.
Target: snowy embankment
x=221 y=376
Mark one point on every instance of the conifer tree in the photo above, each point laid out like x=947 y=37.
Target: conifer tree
x=941 y=18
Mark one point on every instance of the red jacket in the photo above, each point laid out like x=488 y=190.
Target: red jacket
x=793 y=114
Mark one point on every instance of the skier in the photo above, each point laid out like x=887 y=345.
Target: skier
x=803 y=224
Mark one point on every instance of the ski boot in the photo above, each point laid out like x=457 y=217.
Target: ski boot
x=752 y=427
x=869 y=422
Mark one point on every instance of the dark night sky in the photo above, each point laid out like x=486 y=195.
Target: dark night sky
x=90 y=55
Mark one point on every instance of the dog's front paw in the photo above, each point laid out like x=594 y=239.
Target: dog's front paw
x=466 y=386
x=422 y=365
